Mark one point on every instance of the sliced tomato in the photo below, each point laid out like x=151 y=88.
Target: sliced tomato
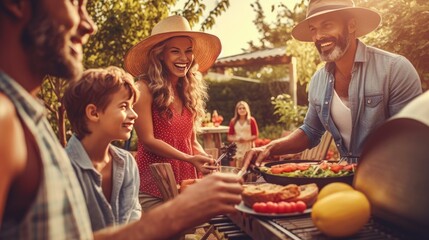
x=277 y=170
x=350 y=167
x=336 y=167
x=303 y=166
x=293 y=167
x=287 y=169
x=324 y=166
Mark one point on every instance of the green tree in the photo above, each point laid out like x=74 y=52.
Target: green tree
x=278 y=34
x=51 y=93
x=402 y=31
x=290 y=114
x=121 y=24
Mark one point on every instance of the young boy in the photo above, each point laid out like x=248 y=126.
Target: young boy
x=99 y=107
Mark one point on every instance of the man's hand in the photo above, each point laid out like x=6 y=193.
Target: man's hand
x=214 y=194
x=256 y=155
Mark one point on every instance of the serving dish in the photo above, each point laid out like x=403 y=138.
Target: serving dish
x=284 y=180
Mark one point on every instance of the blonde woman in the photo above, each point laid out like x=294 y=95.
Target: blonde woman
x=172 y=101
x=243 y=130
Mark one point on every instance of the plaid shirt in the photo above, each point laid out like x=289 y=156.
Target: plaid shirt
x=59 y=210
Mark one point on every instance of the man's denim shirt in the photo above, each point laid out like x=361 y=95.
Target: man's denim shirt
x=382 y=83
x=123 y=205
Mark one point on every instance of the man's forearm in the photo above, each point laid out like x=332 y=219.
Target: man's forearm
x=162 y=222
x=295 y=142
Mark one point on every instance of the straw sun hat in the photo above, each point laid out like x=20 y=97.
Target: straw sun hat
x=206 y=46
x=366 y=19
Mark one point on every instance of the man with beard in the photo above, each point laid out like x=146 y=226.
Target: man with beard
x=355 y=92
x=40 y=197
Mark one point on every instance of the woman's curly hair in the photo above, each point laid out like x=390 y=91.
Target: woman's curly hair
x=191 y=89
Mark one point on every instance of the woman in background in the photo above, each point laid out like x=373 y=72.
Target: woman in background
x=243 y=130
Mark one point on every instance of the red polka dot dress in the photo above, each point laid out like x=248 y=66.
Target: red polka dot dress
x=177 y=132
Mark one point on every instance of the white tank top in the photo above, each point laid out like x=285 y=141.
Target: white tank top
x=342 y=117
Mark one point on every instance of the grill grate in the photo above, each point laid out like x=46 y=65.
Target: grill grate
x=226 y=229
x=303 y=228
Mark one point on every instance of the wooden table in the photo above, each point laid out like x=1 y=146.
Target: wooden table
x=212 y=136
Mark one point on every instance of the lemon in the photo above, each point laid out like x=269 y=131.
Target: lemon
x=341 y=214
x=333 y=188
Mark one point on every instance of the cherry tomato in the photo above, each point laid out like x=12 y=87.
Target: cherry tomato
x=256 y=207
x=272 y=207
x=288 y=207
x=263 y=207
x=300 y=206
x=293 y=207
x=282 y=207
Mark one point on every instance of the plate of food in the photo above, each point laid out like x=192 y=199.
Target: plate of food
x=267 y=199
x=243 y=208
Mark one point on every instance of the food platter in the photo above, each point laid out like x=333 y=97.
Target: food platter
x=243 y=208
x=284 y=180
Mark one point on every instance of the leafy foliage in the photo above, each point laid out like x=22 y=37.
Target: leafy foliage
x=271 y=131
x=279 y=34
x=193 y=9
x=291 y=115
x=225 y=95
x=121 y=24
x=51 y=93
x=402 y=31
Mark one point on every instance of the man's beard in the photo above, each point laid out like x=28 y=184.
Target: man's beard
x=341 y=46
x=45 y=43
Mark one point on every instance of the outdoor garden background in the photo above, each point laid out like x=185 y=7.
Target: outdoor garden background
x=122 y=23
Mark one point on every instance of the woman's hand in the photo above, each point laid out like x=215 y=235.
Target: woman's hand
x=203 y=164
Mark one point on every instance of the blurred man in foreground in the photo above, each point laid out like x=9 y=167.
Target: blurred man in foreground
x=40 y=197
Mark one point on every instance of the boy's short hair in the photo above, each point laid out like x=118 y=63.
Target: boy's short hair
x=96 y=86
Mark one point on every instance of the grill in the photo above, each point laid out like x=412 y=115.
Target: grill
x=392 y=173
x=301 y=228
x=227 y=229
